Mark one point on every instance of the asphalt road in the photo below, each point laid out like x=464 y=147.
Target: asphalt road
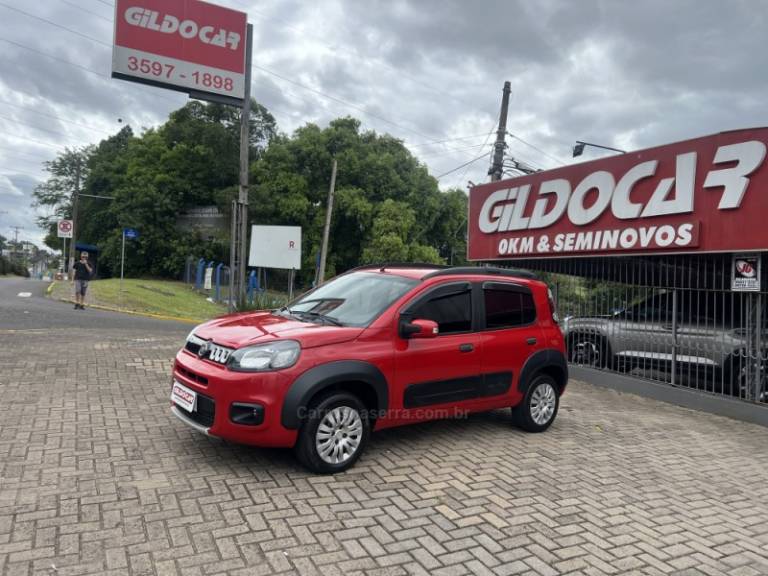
x=19 y=312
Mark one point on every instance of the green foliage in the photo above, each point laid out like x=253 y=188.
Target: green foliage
x=190 y=161
x=387 y=207
x=8 y=267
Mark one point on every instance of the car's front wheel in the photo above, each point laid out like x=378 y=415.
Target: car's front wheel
x=333 y=434
x=539 y=407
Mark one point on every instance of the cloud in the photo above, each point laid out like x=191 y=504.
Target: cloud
x=8 y=188
x=624 y=74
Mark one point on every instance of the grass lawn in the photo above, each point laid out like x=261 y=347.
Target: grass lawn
x=162 y=297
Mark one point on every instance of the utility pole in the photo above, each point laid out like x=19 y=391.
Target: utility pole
x=239 y=242
x=327 y=229
x=497 y=167
x=16 y=250
x=1 y=247
x=75 y=196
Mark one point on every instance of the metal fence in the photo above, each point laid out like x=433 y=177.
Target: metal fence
x=671 y=319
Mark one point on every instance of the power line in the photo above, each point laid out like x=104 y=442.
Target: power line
x=421 y=144
x=539 y=150
x=461 y=166
x=450 y=152
x=17 y=159
x=52 y=23
x=35 y=141
x=5 y=171
x=7 y=119
x=485 y=143
x=57 y=118
x=23 y=153
x=86 y=10
x=84 y=68
x=261 y=68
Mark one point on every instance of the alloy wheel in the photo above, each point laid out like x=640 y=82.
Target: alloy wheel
x=339 y=435
x=543 y=402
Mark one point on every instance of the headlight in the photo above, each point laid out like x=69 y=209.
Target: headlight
x=272 y=356
x=194 y=339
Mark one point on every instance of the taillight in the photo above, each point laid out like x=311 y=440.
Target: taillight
x=552 y=306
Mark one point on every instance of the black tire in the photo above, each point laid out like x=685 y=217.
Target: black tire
x=736 y=382
x=525 y=415
x=589 y=350
x=358 y=430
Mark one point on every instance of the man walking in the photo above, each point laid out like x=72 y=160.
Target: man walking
x=82 y=273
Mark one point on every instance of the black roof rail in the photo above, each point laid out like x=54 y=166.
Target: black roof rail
x=507 y=272
x=385 y=265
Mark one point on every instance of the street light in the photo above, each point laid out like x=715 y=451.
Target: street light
x=579 y=148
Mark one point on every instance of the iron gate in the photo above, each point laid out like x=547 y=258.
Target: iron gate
x=671 y=319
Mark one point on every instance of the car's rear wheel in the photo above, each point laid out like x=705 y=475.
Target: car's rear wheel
x=334 y=434
x=588 y=350
x=539 y=407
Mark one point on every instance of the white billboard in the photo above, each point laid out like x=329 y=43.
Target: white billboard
x=275 y=247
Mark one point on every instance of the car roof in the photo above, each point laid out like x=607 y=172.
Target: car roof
x=426 y=271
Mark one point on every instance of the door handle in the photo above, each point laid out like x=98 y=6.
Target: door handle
x=531 y=341
x=466 y=347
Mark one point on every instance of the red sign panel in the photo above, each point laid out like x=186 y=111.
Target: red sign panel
x=704 y=195
x=181 y=44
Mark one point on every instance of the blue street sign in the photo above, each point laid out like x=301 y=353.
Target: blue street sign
x=131 y=233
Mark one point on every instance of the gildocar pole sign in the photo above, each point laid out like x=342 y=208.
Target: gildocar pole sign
x=185 y=45
x=709 y=194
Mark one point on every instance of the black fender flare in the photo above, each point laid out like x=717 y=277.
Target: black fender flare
x=540 y=361
x=323 y=376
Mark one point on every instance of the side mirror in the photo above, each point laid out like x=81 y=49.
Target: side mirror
x=419 y=329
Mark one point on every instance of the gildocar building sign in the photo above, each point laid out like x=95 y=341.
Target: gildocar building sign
x=184 y=45
x=709 y=194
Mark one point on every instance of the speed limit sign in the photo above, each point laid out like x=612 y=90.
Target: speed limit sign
x=65 y=228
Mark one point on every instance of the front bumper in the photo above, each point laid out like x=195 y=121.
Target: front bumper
x=223 y=397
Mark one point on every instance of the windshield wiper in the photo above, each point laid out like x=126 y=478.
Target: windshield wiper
x=318 y=316
x=285 y=311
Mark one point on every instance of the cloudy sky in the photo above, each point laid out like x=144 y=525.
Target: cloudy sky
x=624 y=73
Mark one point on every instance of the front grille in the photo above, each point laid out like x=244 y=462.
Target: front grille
x=207 y=349
x=202 y=380
x=204 y=411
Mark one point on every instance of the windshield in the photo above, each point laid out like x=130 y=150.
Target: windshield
x=354 y=299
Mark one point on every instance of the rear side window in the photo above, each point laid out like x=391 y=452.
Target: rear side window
x=452 y=312
x=507 y=309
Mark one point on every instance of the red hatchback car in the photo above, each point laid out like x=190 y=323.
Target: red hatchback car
x=376 y=347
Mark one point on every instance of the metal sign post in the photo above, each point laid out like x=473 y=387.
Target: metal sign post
x=238 y=248
x=131 y=234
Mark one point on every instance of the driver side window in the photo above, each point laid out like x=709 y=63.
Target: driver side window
x=452 y=311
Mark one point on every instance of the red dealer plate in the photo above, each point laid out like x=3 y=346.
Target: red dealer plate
x=183 y=397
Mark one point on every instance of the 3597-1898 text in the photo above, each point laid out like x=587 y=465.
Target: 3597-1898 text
x=165 y=70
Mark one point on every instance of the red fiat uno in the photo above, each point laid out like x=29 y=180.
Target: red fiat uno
x=377 y=347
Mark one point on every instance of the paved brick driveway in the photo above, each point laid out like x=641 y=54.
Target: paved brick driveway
x=98 y=478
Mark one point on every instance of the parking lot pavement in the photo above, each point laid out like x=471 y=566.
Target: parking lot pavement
x=98 y=478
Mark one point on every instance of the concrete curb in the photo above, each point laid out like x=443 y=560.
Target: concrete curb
x=132 y=312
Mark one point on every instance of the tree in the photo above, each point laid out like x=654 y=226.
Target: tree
x=56 y=193
x=387 y=206
x=190 y=161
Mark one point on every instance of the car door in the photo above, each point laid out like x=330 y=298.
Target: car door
x=510 y=334
x=444 y=369
x=642 y=334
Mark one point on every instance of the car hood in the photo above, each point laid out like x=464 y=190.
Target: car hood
x=247 y=328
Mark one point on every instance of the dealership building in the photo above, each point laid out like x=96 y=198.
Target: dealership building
x=655 y=259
